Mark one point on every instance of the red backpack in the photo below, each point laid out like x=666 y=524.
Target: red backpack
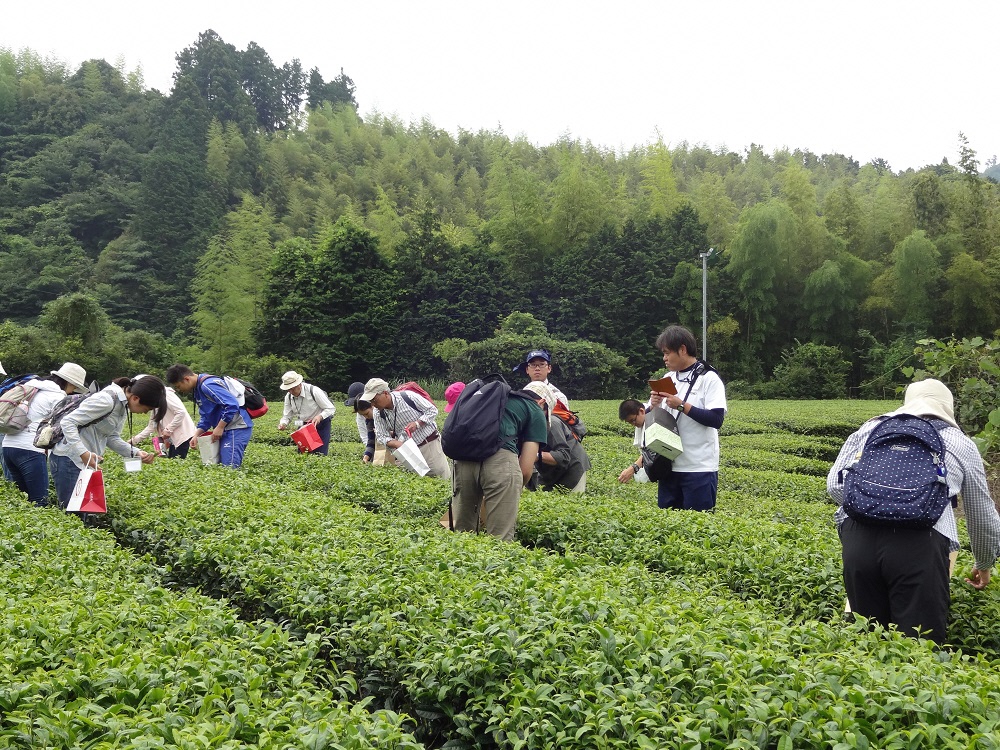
x=412 y=385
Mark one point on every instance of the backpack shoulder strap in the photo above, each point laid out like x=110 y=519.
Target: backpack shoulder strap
x=408 y=400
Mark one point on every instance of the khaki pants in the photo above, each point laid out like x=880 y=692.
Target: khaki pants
x=434 y=456
x=383 y=456
x=492 y=486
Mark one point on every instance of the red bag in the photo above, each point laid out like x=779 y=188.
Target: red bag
x=88 y=494
x=412 y=385
x=307 y=438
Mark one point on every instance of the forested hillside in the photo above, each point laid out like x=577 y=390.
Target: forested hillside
x=251 y=212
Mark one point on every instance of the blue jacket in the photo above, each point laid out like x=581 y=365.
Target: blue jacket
x=216 y=403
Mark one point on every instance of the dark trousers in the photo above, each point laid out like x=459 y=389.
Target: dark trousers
x=688 y=490
x=323 y=428
x=898 y=576
x=179 y=451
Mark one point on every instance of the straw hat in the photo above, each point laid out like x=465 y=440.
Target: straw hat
x=290 y=379
x=73 y=374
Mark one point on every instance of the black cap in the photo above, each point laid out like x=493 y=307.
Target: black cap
x=354 y=393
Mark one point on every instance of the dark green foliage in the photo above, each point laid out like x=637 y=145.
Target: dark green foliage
x=118 y=192
x=446 y=292
x=809 y=371
x=333 y=306
x=581 y=369
x=971 y=369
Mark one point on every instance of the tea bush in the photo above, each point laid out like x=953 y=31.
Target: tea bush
x=95 y=653
x=611 y=625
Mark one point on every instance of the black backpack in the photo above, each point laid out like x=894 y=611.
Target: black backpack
x=472 y=429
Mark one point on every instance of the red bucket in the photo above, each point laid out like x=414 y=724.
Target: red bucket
x=307 y=438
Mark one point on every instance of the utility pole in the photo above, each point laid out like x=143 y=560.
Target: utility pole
x=704 y=301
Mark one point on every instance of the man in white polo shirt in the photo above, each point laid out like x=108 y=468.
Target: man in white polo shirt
x=699 y=406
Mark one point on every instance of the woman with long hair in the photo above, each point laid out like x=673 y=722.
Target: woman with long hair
x=96 y=424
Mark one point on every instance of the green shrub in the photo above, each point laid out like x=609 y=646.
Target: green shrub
x=809 y=371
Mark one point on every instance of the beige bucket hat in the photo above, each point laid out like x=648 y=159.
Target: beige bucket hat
x=73 y=374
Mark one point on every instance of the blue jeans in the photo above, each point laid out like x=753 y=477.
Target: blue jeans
x=3 y=463
x=30 y=471
x=64 y=475
x=688 y=490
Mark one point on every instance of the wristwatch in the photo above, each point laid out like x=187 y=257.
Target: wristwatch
x=635 y=468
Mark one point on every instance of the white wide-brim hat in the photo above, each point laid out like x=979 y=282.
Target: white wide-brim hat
x=73 y=374
x=289 y=380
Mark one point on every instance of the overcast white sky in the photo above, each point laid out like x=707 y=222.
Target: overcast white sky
x=896 y=79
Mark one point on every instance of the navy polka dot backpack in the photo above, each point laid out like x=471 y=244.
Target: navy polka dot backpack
x=899 y=478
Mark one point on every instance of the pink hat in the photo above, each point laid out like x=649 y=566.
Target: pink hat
x=451 y=394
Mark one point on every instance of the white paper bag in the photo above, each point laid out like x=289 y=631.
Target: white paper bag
x=209 y=451
x=410 y=456
x=88 y=493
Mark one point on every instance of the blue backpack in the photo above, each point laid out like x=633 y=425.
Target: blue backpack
x=899 y=478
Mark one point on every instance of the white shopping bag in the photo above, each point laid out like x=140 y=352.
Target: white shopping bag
x=88 y=493
x=410 y=456
x=209 y=450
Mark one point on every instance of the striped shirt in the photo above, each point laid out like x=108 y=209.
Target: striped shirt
x=390 y=424
x=966 y=476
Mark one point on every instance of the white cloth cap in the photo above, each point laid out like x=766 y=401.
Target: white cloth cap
x=929 y=398
x=374 y=387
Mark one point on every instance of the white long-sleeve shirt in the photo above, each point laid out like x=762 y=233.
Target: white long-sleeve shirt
x=311 y=401
x=94 y=425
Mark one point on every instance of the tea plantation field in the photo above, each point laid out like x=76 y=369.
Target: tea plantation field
x=310 y=602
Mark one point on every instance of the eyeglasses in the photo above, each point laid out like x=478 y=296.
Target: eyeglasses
x=632 y=420
x=538 y=364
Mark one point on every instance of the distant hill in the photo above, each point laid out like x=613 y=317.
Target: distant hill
x=993 y=173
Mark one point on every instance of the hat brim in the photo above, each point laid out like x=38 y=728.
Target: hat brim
x=80 y=387
x=369 y=395
x=351 y=401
